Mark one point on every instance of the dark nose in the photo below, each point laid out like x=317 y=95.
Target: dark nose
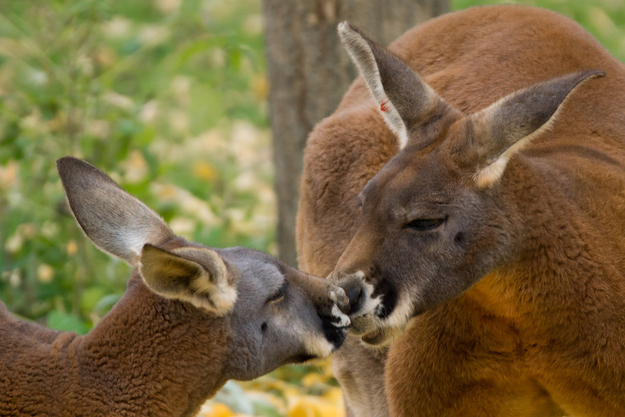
x=353 y=289
x=354 y=296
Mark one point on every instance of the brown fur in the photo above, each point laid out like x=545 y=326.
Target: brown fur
x=543 y=333
x=131 y=364
x=165 y=353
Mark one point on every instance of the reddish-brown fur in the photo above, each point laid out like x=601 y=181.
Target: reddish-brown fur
x=543 y=335
x=191 y=318
x=126 y=360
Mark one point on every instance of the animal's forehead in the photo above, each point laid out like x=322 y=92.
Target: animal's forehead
x=258 y=278
x=255 y=269
x=241 y=253
x=252 y=269
x=408 y=175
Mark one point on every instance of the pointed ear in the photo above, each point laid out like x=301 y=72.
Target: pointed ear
x=196 y=275
x=493 y=135
x=405 y=100
x=112 y=219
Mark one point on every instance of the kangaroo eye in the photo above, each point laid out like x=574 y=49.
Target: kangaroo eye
x=424 y=224
x=277 y=296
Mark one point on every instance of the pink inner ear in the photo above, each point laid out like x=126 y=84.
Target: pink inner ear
x=384 y=106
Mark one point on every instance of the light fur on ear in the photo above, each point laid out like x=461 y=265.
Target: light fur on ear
x=498 y=132
x=404 y=99
x=195 y=275
x=112 y=219
x=362 y=55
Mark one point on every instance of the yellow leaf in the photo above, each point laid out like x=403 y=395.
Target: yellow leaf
x=136 y=167
x=166 y=191
x=327 y=367
x=334 y=395
x=260 y=87
x=14 y=243
x=8 y=175
x=204 y=171
x=28 y=230
x=72 y=248
x=290 y=392
x=309 y=406
x=45 y=273
x=220 y=410
x=312 y=379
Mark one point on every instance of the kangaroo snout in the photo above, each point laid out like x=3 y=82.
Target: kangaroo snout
x=365 y=305
x=330 y=300
x=341 y=303
x=352 y=286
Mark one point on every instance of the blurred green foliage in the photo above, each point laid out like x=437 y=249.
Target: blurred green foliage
x=167 y=96
x=605 y=19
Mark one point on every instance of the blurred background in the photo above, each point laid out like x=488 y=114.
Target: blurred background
x=170 y=97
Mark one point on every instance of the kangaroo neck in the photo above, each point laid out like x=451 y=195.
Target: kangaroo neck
x=150 y=355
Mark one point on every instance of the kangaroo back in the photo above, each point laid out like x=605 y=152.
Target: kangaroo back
x=548 y=278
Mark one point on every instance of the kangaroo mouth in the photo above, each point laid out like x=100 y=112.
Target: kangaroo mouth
x=302 y=358
x=375 y=338
x=334 y=334
x=381 y=337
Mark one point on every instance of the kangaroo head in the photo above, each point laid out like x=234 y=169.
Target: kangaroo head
x=433 y=220
x=275 y=313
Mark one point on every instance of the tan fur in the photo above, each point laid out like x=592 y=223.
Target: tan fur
x=544 y=334
x=359 y=51
x=208 y=288
x=491 y=174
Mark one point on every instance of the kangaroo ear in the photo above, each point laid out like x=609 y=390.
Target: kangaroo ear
x=493 y=135
x=196 y=275
x=405 y=100
x=112 y=219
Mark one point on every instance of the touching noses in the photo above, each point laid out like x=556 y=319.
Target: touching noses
x=324 y=294
x=352 y=285
x=349 y=271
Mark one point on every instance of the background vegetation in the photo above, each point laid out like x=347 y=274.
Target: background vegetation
x=167 y=96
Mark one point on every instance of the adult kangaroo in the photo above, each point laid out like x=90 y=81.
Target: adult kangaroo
x=192 y=318
x=469 y=196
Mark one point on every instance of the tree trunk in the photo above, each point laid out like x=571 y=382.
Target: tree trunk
x=309 y=71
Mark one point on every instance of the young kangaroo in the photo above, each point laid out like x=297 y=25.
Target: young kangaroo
x=192 y=317
x=470 y=191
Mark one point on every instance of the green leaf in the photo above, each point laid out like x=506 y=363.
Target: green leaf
x=66 y=322
x=106 y=303
x=90 y=298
